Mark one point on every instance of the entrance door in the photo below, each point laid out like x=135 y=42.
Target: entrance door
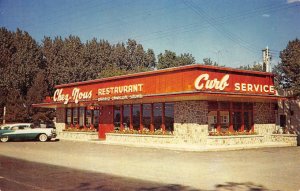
x=106 y=122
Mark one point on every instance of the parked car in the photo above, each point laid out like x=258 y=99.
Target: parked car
x=25 y=131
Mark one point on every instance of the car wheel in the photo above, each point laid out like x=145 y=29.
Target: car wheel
x=4 y=139
x=43 y=137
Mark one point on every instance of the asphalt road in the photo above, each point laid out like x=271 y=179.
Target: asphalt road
x=67 y=165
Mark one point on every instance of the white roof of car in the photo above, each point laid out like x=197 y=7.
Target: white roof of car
x=15 y=124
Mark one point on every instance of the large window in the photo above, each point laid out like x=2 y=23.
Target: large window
x=146 y=115
x=69 y=116
x=96 y=114
x=157 y=110
x=169 y=116
x=75 y=116
x=226 y=116
x=81 y=116
x=117 y=117
x=136 y=116
x=88 y=117
x=126 y=116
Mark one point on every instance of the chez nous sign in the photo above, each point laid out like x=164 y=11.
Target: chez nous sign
x=175 y=82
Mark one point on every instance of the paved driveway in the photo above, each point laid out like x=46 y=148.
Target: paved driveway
x=271 y=168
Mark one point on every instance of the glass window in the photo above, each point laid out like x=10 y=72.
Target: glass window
x=81 y=116
x=224 y=120
x=117 y=117
x=169 y=116
x=237 y=105
x=248 y=106
x=237 y=120
x=69 y=115
x=247 y=121
x=96 y=118
x=224 y=105
x=126 y=116
x=136 y=116
x=88 y=117
x=157 y=115
x=147 y=115
x=75 y=117
x=212 y=120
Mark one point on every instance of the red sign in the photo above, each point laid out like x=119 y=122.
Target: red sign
x=179 y=80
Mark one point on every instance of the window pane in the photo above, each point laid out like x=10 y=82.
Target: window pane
x=237 y=120
x=212 y=121
x=88 y=119
x=75 y=119
x=237 y=105
x=169 y=116
x=146 y=115
x=117 y=117
x=224 y=105
x=157 y=115
x=247 y=121
x=69 y=113
x=136 y=116
x=81 y=116
x=96 y=118
x=126 y=116
x=224 y=120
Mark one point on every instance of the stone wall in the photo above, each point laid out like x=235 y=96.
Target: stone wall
x=78 y=136
x=290 y=139
x=264 y=113
x=60 y=127
x=140 y=139
x=60 y=115
x=291 y=109
x=235 y=140
x=190 y=121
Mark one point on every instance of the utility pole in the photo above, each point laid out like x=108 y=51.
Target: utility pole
x=266 y=60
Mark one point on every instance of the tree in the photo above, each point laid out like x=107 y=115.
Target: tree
x=208 y=61
x=170 y=59
x=255 y=67
x=36 y=94
x=288 y=70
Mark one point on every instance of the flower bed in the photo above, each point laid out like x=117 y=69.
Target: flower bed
x=143 y=132
x=77 y=128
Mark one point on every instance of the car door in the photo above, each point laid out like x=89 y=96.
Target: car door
x=17 y=133
x=24 y=132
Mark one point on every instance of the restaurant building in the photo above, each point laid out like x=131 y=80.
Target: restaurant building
x=195 y=104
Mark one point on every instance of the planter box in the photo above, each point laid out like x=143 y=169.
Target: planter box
x=235 y=140
x=80 y=136
x=290 y=139
x=139 y=138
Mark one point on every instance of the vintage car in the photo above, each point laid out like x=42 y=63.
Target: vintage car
x=25 y=131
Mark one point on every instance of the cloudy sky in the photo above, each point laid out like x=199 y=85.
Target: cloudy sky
x=231 y=32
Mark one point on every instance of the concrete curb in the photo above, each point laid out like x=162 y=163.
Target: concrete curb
x=188 y=147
